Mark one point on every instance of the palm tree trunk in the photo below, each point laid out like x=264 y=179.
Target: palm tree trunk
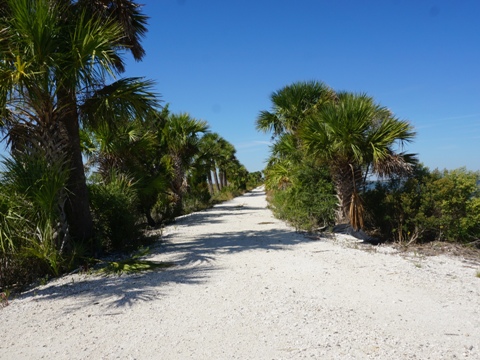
x=77 y=206
x=210 y=182
x=222 y=178
x=150 y=221
x=347 y=180
x=217 y=183
x=178 y=184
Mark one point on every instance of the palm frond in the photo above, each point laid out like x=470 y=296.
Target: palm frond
x=127 y=14
x=395 y=164
x=292 y=104
x=123 y=100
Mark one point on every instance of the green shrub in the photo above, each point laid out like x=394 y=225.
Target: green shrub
x=456 y=201
x=114 y=206
x=308 y=202
x=34 y=238
x=443 y=206
x=196 y=198
x=254 y=179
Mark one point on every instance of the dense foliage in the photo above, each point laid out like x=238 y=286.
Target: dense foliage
x=309 y=201
x=427 y=206
x=326 y=147
x=61 y=102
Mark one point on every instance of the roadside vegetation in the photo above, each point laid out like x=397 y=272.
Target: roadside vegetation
x=93 y=158
x=338 y=158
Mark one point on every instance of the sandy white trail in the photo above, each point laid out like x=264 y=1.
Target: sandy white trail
x=246 y=286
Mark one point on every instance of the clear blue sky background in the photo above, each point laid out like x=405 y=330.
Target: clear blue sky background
x=220 y=60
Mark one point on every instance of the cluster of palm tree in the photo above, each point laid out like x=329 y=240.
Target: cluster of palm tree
x=63 y=102
x=347 y=135
x=163 y=154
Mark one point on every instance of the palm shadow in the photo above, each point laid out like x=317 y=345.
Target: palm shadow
x=194 y=262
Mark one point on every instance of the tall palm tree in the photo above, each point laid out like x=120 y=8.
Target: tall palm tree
x=182 y=139
x=56 y=54
x=352 y=137
x=237 y=174
x=291 y=106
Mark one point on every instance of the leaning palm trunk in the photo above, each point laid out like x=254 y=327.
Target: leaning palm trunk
x=347 y=179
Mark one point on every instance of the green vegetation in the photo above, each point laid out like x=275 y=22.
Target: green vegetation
x=327 y=147
x=427 y=206
x=63 y=100
x=132 y=264
x=300 y=190
x=309 y=202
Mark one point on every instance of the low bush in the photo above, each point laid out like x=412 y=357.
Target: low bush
x=308 y=202
x=428 y=206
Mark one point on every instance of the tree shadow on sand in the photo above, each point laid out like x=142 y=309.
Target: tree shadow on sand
x=194 y=261
x=216 y=215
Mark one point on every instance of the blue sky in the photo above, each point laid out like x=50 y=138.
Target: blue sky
x=221 y=60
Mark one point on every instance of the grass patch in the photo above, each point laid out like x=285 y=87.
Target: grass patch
x=131 y=265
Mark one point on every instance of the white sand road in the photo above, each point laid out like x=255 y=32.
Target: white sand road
x=247 y=286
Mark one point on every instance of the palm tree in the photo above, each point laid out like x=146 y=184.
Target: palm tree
x=209 y=148
x=353 y=137
x=134 y=148
x=237 y=174
x=56 y=55
x=285 y=157
x=291 y=105
x=182 y=141
x=127 y=14
x=225 y=155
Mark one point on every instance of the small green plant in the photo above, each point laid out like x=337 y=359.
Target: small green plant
x=130 y=266
x=4 y=296
x=34 y=236
x=133 y=265
x=44 y=280
x=478 y=274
